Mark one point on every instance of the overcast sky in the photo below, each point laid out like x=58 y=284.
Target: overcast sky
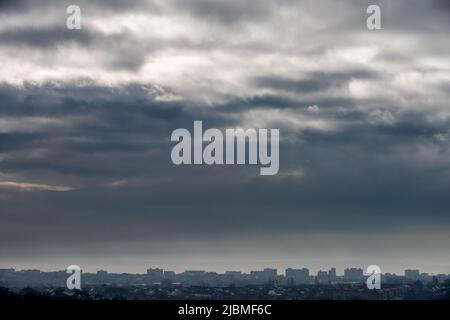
x=86 y=117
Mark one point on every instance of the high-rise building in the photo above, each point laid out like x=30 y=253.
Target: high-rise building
x=169 y=275
x=102 y=273
x=332 y=274
x=155 y=274
x=297 y=276
x=412 y=274
x=322 y=277
x=269 y=274
x=353 y=275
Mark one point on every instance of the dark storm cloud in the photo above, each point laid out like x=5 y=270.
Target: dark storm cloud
x=6 y=5
x=57 y=98
x=415 y=16
x=10 y=142
x=344 y=192
x=44 y=37
x=226 y=12
x=314 y=82
x=126 y=52
x=105 y=5
x=99 y=124
x=442 y=5
x=112 y=145
x=272 y=101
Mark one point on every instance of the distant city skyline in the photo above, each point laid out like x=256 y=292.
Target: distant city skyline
x=159 y=276
x=281 y=270
x=277 y=271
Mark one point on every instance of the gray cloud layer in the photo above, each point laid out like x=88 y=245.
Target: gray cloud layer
x=364 y=121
